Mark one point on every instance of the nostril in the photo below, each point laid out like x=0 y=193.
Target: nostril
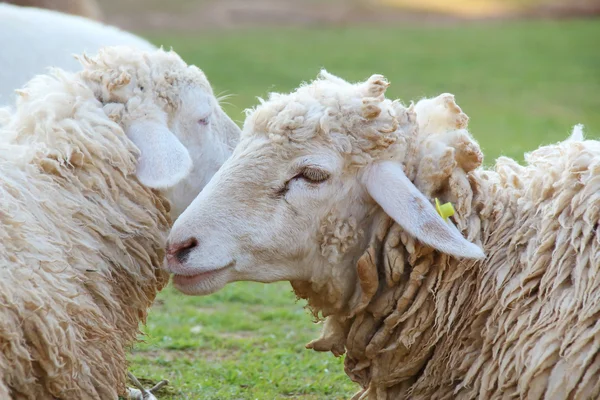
x=182 y=250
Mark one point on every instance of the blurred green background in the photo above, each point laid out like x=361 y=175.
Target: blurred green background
x=524 y=71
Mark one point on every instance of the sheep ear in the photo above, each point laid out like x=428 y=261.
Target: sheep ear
x=402 y=201
x=163 y=160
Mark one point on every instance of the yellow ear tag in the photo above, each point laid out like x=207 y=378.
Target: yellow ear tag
x=445 y=210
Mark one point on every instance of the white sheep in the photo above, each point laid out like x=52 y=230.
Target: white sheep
x=331 y=188
x=35 y=39
x=88 y=163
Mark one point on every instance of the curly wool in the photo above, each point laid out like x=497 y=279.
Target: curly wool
x=81 y=240
x=321 y=109
x=421 y=325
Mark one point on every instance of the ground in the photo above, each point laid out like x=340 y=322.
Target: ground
x=208 y=15
x=522 y=83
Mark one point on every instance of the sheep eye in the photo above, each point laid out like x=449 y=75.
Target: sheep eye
x=203 y=121
x=308 y=174
x=313 y=175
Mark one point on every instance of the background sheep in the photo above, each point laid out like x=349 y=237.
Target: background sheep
x=84 y=222
x=34 y=39
x=85 y=8
x=303 y=199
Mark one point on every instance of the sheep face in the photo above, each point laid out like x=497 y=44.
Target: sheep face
x=266 y=222
x=299 y=193
x=168 y=110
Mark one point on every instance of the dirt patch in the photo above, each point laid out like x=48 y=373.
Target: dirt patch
x=238 y=335
x=241 y=14
x=200 y=15
x=565 y=9
x=193 y=355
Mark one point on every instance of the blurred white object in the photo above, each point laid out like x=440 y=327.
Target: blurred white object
x=141 y=393
x=34 y=39
x=136 y=394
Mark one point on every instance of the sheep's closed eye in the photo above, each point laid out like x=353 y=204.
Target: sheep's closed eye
x=203 y=121
x=313 y=175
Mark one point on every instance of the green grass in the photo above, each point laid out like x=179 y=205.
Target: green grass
x=245 y=342
x=522 y=84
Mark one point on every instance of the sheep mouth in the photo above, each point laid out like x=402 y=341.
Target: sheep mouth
x=192 y=280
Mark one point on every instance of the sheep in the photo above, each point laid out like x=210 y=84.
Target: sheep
x=93 y=168
x=84 y=8
x=331 y=188
x=35 y=39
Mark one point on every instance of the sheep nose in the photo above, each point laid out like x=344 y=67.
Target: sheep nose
x=181 y=251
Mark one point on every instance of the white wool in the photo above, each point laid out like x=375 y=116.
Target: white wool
x=577 y=133
x=81 y=237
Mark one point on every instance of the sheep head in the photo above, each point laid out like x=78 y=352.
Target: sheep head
x=298 y=198
x=169 y=112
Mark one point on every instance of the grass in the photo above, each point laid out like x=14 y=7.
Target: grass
x=245 y=342
x=523 y=84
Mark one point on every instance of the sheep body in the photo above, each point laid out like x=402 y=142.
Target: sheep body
x=419 y=324
x=438 y=327
x=36 y=39
x=303 y=197
x=77 y=276
x=81 y=239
